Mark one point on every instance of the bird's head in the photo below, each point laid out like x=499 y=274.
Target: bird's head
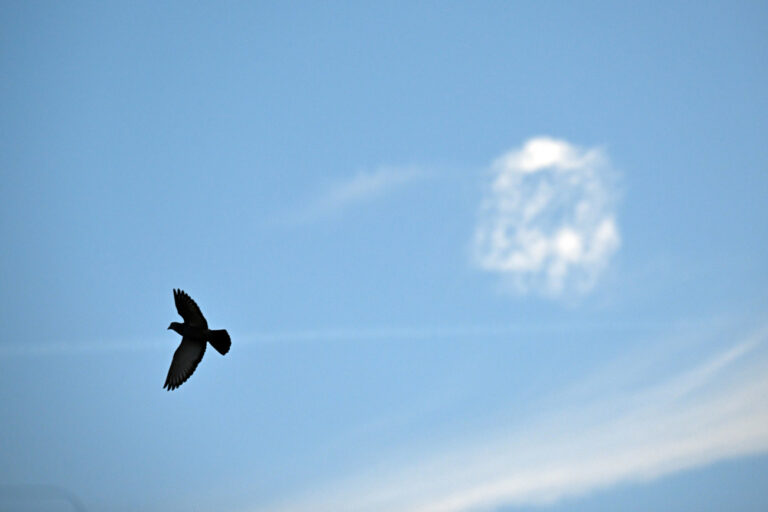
x=176 y=326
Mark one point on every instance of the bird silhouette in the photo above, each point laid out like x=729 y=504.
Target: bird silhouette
x=195 y=335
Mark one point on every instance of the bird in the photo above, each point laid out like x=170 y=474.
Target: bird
x=195 y=335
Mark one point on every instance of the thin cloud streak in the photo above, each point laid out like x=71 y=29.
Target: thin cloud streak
x=328 y=335
x=383 y=333
x=360 y=188
x=79 y=347
x=715 y=410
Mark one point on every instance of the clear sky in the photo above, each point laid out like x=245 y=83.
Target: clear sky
x=472 y=256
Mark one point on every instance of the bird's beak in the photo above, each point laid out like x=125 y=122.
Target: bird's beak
x=169 y=328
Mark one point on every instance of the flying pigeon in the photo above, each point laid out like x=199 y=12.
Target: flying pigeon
x=194 y=336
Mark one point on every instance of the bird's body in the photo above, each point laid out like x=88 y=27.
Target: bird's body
x=195 y=335
x=190 y=331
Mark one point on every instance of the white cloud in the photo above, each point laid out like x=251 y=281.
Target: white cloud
x=547 y=223
x=360 y=188
x=714 y=410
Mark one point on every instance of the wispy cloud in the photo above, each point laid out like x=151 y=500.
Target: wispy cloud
x=380 y=333
x=360 y=188
x=715 y=409
x=56 y=348
x=547 y=223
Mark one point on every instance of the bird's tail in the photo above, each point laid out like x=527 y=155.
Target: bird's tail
x=220 y=340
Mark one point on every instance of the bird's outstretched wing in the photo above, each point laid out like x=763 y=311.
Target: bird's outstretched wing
x=185 y=360
x=188 y=309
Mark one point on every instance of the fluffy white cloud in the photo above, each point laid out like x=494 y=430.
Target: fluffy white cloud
x=547 y=223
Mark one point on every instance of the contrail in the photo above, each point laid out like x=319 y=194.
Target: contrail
x=79 y=347
x=330 y=334
x=378 y=333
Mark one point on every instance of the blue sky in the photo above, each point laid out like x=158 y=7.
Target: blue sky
x=472 y=256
